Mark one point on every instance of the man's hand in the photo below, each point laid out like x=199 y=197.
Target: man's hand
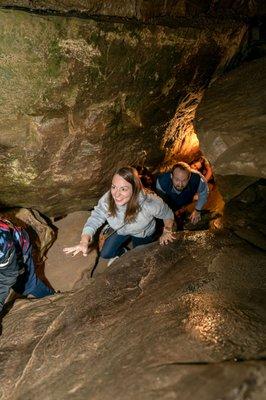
x=195 y=217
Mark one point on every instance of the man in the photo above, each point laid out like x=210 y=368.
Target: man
x=17 y=269
x=179 y=187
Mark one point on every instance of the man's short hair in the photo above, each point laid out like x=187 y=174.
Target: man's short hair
x=183 y=166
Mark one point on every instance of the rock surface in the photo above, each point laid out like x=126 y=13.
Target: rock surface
x=162 y=323
x=64 y=271
x=41 y=233
x=142 y=9
x=230 y=122
x=80 y=97
x=245 y=215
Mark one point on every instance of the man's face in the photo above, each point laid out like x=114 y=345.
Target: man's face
x=180 y=178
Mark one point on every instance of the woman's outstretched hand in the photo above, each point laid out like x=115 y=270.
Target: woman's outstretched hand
x=82 y=247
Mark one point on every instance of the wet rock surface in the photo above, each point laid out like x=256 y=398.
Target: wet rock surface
x=163 y=322
x=230 y=122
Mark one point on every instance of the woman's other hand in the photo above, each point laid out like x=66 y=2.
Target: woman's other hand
x=167 y=237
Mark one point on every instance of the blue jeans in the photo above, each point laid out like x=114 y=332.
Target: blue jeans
x=113 y=246
x=19 y=273
x=28 y=282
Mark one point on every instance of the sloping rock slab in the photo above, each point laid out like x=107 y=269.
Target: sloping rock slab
x=162 y=323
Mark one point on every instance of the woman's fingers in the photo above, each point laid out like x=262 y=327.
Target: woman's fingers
x=68 y=250
x=167 y=237
x=77 y=249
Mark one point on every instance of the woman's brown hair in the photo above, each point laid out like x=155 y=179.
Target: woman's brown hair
x=130 y=175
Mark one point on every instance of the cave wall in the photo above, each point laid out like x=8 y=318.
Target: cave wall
x=230 y=123
x=145 y=10
x=80 y=97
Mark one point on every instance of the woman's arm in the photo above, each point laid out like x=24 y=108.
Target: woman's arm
x=162 y=211
x=96 y=219
x=168 y=235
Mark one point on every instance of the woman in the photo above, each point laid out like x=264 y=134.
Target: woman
x=202 y=165
x=131 y=212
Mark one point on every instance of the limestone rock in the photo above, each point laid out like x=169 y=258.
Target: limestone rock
x=230 y=122
x=164 y=322
x=80 y=97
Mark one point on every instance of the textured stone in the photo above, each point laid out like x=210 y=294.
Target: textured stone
x=41 y=233
x=230 y=122
x=144 y=10
x=162 y=323
x=231 y=114
x=80 y=97
x=64 y=271
x=245 y=214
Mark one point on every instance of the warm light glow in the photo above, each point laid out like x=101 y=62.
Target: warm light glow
x=180 y=141
x=205 y=320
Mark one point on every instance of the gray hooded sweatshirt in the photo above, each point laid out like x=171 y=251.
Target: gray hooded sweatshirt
x=151 y=207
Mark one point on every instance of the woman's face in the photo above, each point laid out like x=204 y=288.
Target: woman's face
x=196 y=165
x=121 y=190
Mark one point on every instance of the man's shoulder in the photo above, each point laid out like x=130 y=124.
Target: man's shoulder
x=163 y=174
x=198 y=178
x=196 y=175
x=165 y=177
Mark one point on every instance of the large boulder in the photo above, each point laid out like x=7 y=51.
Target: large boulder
x=41 y=232
x=245 y=214
x=230 y=123
x=164 y=322
x=80 y=97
